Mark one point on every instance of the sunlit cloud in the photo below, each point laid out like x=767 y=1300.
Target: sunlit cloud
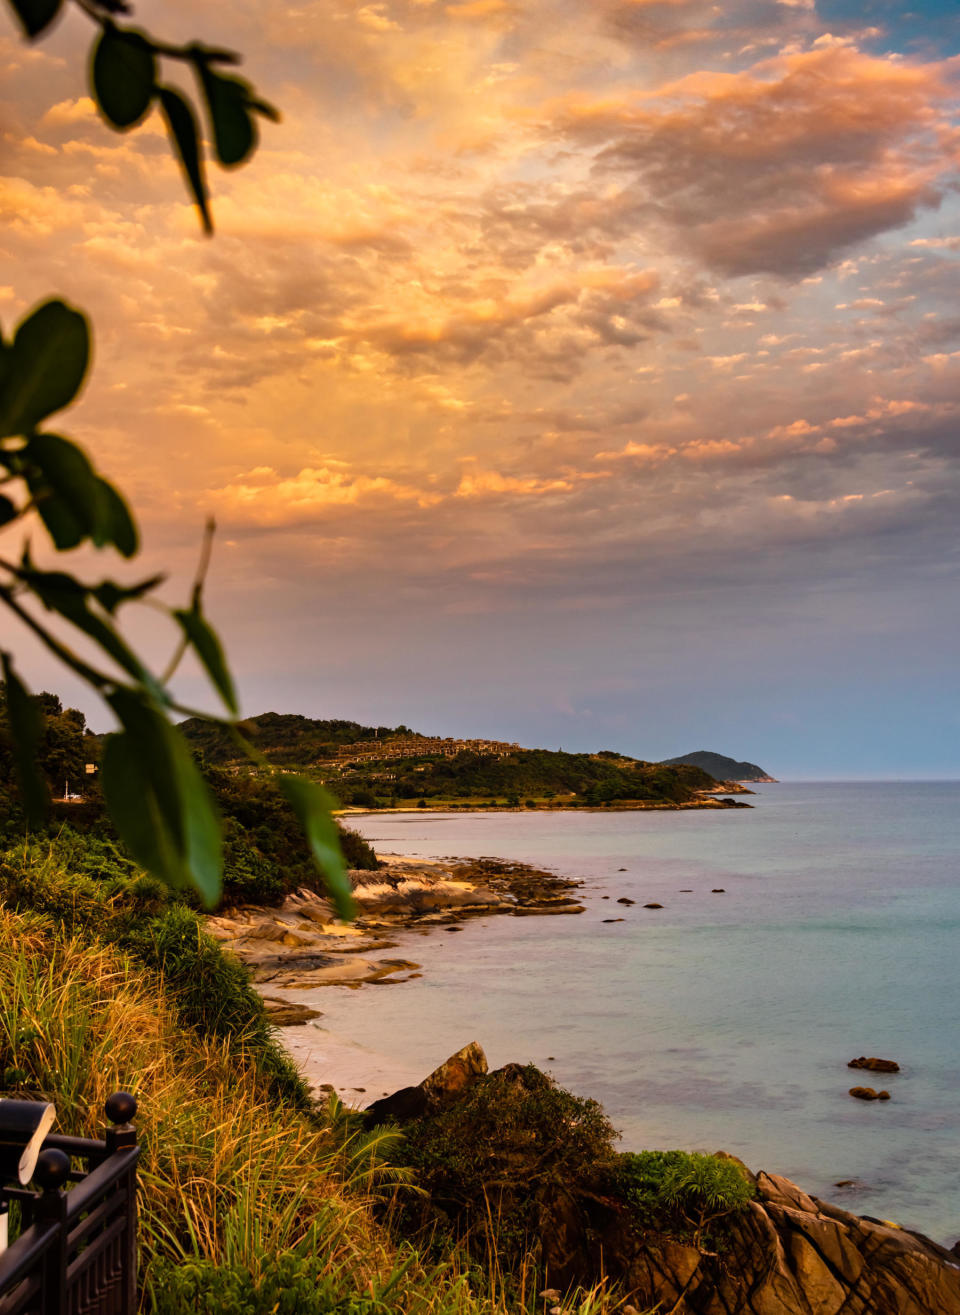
x=525 y=307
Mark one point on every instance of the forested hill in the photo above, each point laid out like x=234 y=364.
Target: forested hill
x=381 y=766
x=718 y=765
x=285 y=738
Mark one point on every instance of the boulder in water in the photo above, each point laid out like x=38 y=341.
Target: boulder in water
x=875 y=1065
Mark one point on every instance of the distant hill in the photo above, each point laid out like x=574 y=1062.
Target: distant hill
x=720 y=767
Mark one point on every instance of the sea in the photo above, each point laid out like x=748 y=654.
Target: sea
x=821 y=924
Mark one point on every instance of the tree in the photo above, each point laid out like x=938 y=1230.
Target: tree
x=154 y=791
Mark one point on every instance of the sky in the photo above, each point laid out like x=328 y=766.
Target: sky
x=584 y=373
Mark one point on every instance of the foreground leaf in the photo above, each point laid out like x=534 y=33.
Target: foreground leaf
x=117 y=525
x=123 y=75
x=44 y=367
x=26 y=728
x=209 y=650
x=159 y=801
x=35 y=15
x=66 y=493
x=228 y=102
x=63 y=594
x=183 y=129
x=312 y=805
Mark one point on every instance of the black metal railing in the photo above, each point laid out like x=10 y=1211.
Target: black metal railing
x=77 y=1249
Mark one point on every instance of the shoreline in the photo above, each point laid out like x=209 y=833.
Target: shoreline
x=711 y=799
x=299 y=946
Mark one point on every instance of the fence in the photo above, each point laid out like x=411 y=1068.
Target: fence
x=77 y=1249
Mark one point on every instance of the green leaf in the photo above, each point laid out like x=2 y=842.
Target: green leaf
x=44 y=367
x=110 y=595
x=26 y=727
x=8 y=510
x=66 y=492
x=228 y=102
x=61 y=520
x=183 y=129
x=117 y=525
x=158 y=799
x=210 y=652
x=35 y=15
x=312 y=806
x=123 y=75
x=66 y=596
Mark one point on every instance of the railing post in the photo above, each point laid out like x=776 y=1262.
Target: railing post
x=121 y=1109
x=51 y=1172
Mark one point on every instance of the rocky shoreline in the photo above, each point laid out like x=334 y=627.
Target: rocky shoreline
x=301 y=944
x=785 y=1253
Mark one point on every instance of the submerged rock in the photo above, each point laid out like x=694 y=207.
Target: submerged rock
x=868 y=1093
x=875 y=1065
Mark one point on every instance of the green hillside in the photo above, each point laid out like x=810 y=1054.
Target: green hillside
x=286 y=738
x=536 y=774
x=381 y=766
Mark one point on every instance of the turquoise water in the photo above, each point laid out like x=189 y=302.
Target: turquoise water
x=721 y=1020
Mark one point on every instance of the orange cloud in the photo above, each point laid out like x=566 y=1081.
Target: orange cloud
x=781 y=167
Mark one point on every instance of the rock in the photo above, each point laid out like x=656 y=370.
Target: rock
x=285 y=1013
x=621 y=869
x=792 y=1254
x=444 y=1087
x=537 y=910
x=718 y=890
x=875 y=1065
x=653 y=906
x=623 y=900
x=612 y=919
x=868 y=1093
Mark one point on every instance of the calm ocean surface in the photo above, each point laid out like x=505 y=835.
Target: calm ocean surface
x=721 y=1020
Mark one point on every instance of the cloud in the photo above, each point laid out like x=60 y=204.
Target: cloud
x=780 y=168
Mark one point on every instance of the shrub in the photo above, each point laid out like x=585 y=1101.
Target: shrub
x=364 y=799
x=680 y=1191
x=511 y=1143
x=356 y=852
x=289 y=1285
